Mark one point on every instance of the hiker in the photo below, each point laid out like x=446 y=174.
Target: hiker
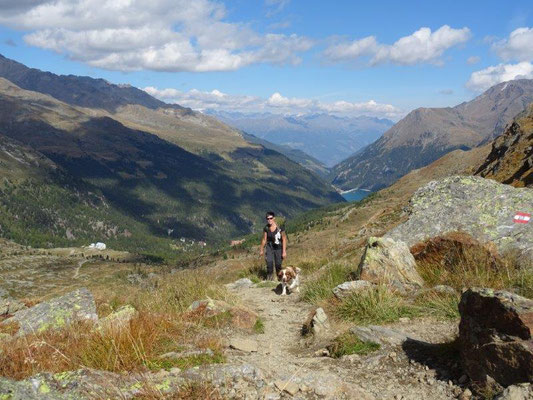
x=275 y=240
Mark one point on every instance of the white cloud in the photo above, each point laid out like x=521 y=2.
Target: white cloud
x=161 y=35
x=276 y=103
x=484 y=79
x=423 y=46
x=473 y=60
x=518 y=47
x=275 y=6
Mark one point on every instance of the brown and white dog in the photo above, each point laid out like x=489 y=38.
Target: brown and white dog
x=290 y=279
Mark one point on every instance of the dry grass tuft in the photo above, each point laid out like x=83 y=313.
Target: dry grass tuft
x=459 y=261
x=162 y=325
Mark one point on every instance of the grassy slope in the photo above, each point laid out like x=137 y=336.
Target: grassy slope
x=154 y=182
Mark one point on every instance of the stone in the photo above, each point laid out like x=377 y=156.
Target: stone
x=118 y=319
x=317 y=323
x=347 y=288
x=243 y=283
x=467 y=394
x=56 y=313
x=287 y=386
x=483 y=208
x=381 y=335
x=242 y=344
x=444 y=289
x=517 y=392
x=495 y=337
x=387 y=261
x=10 y=306
x=241 y=317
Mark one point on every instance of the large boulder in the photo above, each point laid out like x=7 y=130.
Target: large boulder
x=480 y=207
x=388 y=261
x=56 y=313
x=495 y=336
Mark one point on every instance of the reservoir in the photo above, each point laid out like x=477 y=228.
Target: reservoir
x=355 y=194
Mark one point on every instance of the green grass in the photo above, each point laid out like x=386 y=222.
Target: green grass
x=259 y=326
x=439 y=305
x=348 y=343
x=375 y=306
x=319 y=287
x=186 y=362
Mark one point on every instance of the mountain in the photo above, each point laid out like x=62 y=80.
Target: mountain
x=327 y=138
x=302 y=158
x=132 y=158
x=511 y=157
x=426 y=134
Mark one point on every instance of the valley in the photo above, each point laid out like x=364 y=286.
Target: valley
x=394 y=282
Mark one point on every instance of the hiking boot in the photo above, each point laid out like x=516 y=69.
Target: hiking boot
x=270 y=277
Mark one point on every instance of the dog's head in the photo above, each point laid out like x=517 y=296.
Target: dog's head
x=287 y=274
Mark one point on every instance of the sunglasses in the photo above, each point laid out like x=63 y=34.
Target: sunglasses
x=270 y=217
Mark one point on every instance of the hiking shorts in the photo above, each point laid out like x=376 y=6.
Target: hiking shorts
x=273 y=257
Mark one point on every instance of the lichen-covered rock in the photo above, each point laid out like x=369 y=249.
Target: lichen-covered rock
x=118 y=319
x=347 y=288
x=388 y=261
x=56 y=313
x=480 y=207
x=495 y=336
x=10 y=306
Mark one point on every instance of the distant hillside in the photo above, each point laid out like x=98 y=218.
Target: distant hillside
x=511 y=158
x=327 y=138
x=169 y=190
x=426 y=134
x=302 y=158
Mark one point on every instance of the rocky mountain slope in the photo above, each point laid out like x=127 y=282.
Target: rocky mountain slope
x=328 y=138
x=511 y=158
x=426 y=134
x=168 y=189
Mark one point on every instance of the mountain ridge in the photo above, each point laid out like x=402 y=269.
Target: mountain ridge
x=426 y=134
x=327 y=138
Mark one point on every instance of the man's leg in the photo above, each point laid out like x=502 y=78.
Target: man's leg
x=269 y=256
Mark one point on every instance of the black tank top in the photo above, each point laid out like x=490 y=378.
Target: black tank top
x=274 y=239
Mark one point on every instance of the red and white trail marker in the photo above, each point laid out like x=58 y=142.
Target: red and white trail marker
x=522 y=218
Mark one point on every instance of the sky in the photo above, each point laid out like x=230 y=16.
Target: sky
x=346 y=58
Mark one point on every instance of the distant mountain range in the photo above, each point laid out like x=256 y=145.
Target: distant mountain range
x=327 y=138
x=426 y=134
x=157 y=171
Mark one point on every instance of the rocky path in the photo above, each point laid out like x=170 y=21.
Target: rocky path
x=419 y=370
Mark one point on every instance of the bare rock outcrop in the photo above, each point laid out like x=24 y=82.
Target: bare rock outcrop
x=495 y=336
x=389 y=261
x=56 y=313
x=483 y=208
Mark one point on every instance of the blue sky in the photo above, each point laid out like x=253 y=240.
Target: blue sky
x=286 y=56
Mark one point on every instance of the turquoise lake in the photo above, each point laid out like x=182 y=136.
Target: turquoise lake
x=356 y=195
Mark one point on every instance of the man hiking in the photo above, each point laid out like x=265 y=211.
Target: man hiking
x=275 y=240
